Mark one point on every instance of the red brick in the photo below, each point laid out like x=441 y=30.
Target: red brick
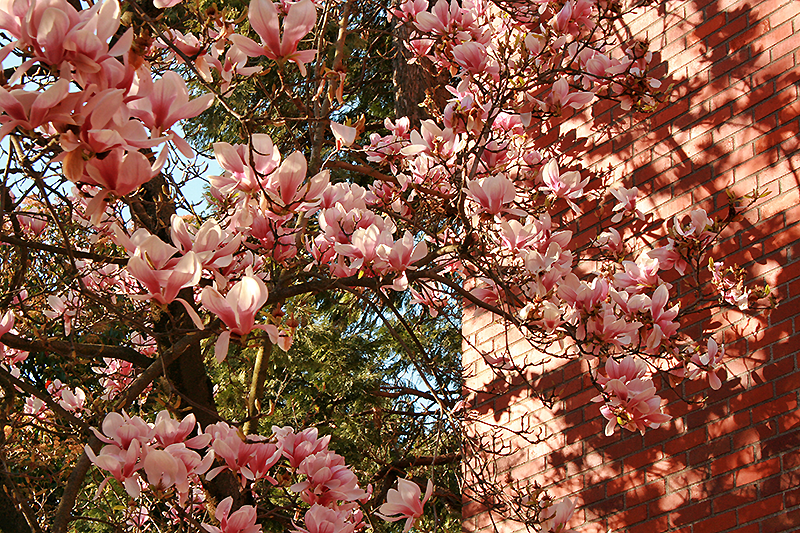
x=690 y=513
x=761 y=508
x=716 y=523
x=707 y=452
x=786 y=521
x=735 y=498
x=728 y=424
x=658 y=524
x=643 y=459
x=757 y=471
x=780 y=484
x=625 y=482
x=775 y=138
x=776 y=407
x=685 y=441
x=751 y=397
x=728 y=463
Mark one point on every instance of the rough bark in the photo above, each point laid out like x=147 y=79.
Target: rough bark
x=415 y=82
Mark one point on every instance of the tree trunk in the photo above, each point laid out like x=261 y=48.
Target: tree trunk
x=415 y=82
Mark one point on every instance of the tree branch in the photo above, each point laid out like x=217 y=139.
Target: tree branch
x=95 y=351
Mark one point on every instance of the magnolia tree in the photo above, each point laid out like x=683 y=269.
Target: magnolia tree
x=127 y=307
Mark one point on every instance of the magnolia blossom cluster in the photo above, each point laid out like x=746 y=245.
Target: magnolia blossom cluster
x=454 y=37
x=171 y=455
x=630 y=399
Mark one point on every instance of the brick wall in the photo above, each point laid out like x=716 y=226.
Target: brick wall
x=732 y=464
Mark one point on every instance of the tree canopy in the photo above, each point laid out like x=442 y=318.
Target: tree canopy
x=282 y=350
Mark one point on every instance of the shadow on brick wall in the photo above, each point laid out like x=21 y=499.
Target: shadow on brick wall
x=730 y=459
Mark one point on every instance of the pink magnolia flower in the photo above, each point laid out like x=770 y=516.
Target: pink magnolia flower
x=169 y=431
x=285 y=185
x=167 y=102
x=105 y=123
x=492 y=193
x=265 y=456
x=67 y=399
x=321 y=519
x=699 y=227
x=364 y=246
x=611 y=241
x=121 y=172
x=633 y=405
x=229 y=445
x=626 y=199
x=115 y=377
x=574 y=15
x=629 y=398
x=669 y=257
x=298 y=446
x=242 y=520
x=580 y=294
x=474 y=57
x=238 y=310
x=608 y=328
x=730 y=284
x=344 y=135
x=213 y=245
x=192 y=47
x=301 y=18
x=661 y=316
x=710 y=361
x=561 y=96
x=121 y=463
x=173 y=466
x=444 y=17
x=516 y=237
x=328 y=480
x=66 y=307
x=30 y=110
x=164 y=4
x=163 y=280
x=400 y=257
x=121 y=430
x=555 y=517
x=7 y=322
x=638 y=276
x=409 y=9
x=628 y=369
x=431 y=297
x=33 y=224
x=567 y=185
x=236 y=161
x=56 y=34
x=404 y=502
x=235 y=62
